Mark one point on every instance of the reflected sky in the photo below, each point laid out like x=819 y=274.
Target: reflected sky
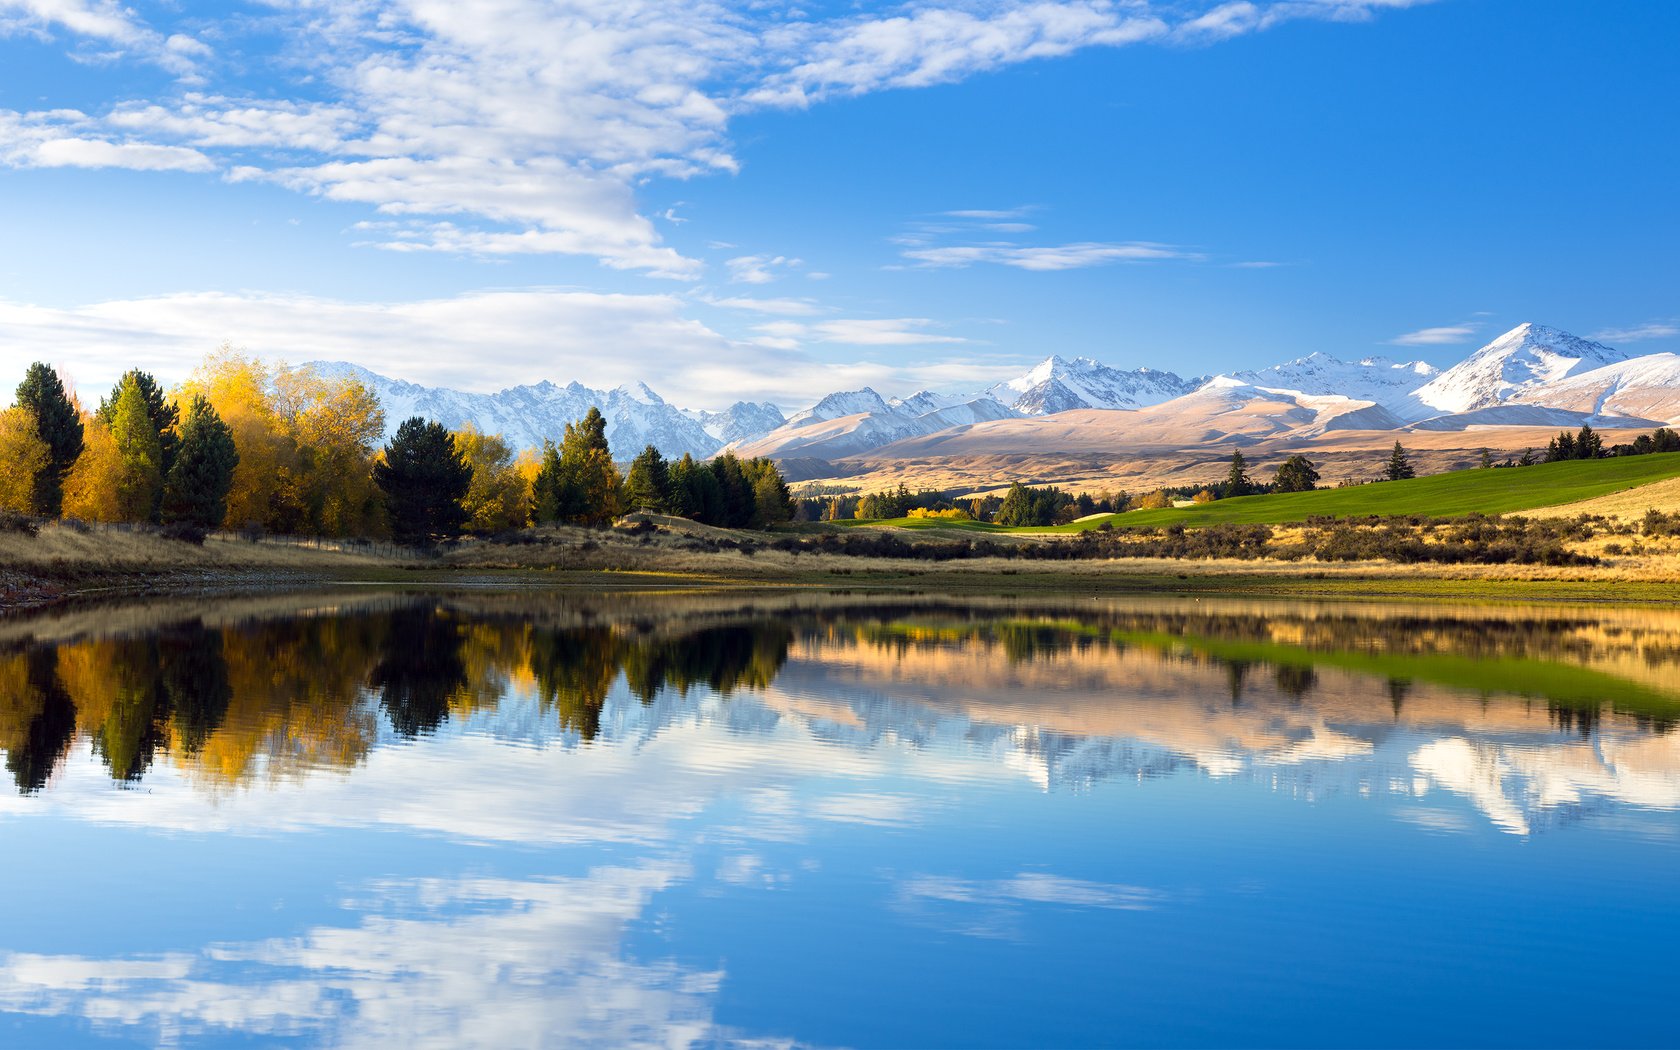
x=509 y=820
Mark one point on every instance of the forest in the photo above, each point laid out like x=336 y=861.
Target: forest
x=246 y=446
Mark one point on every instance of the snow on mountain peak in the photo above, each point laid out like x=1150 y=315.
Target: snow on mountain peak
x=1528 y=356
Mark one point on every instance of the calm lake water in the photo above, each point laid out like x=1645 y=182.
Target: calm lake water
x=510 y=820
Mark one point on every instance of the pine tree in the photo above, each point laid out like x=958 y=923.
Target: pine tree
x=424 y=479
x=1296 y=474
x=545 y=487
x=164 y=416
x=1237 y=482
x=1588 y=445
x=1486 y=459
x=648 y=486
x=1399 y=464
x=59 y=427
x=587 y=489
x=772 y=502
x=736 y=490
x=140 y=480
x=196 y=488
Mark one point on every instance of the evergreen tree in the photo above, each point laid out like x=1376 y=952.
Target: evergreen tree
x=164 y=416
x=736 y=489
x=1486 y=460
x=140 y=480
x=648 y=486
x=1399 y=464
x=1561 y=448
x=196 y=488
x=772 y=502
x=1588 y=445
x=424 y=479
x=59 y=428
x=1296 y=474
x=545 y=487
x=1527 y=458
x=1237 y=482
x=589 y=490
x=1017 y=509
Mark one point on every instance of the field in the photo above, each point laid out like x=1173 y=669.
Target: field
x=1503 y=491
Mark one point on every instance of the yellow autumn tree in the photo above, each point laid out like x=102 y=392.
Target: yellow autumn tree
x=500 y=495
x=335 y=424
x=90 y=489
x=23 y=455
x=239 y=387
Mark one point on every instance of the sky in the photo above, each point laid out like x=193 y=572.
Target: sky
x=771 y=200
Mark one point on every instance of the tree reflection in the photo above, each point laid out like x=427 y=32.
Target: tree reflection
x=40 y=719
x=420 y=670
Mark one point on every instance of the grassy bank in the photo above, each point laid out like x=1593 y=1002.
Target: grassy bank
x=1462 y=492
x=63 y=565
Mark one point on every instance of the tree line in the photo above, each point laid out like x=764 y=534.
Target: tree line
x=252 y=447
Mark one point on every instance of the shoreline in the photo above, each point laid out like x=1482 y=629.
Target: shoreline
x=64 y=567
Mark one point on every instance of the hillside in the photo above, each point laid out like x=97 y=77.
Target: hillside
x=1461 y=492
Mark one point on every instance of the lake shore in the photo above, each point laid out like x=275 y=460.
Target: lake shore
x=62 y=565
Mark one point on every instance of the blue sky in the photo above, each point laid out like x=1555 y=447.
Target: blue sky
x=767 y=200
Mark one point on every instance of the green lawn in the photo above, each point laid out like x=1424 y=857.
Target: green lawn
x=1475 y=491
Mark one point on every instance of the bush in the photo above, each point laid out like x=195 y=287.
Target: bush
x=11 y=521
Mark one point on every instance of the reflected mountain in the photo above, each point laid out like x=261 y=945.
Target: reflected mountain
x=1528 y=716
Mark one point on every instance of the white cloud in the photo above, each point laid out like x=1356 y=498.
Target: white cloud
x=57 y=140
x=541 y=119
x=1058 y=257
x=1446 y=335
x=486 y=341
x=780 y=307
x=1639 y=333
x=899 y=331
x=760 y=269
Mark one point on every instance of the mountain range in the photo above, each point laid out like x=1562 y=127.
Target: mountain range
x=1530 y=377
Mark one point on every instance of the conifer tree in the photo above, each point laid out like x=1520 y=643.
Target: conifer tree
x=1237 y=482
x=59 y=427
x=195 y=490
x=648 y=486
x=1399 y=464
x=139 y=483
x=164 y=415
x=424 y=479
x=1297 y=474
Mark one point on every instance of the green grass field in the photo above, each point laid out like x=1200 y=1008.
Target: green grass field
x=1457 y=493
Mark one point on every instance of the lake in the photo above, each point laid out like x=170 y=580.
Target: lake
x=520 y=819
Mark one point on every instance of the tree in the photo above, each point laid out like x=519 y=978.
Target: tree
x=58 y=424
x=1017 y=509
x=163 y=415
x=735 y=491
x=498 y=498
x=1296 y=474
x=90 y=489
x=1399 y=464
x=1486 y=460
x=424 y=480
x=772 y=502
x=648 y=486
x=1561 y=448
x=578 y=483
x=1527 y=459
x=1237 y=482
x=195 y=490
x=23 y=456
x=240 y=388
x=1588 y=445
x=139 y=481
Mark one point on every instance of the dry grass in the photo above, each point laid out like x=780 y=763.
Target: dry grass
x=1630 y=504
x=97 y=549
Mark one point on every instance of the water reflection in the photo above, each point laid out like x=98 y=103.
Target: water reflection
x=520 y=805
x=1489 y=705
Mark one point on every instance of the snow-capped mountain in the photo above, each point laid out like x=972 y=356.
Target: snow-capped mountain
x=1059 y=384
x=742 y=421
x=1646 y=386
x=856 y=421
x=1374 y=379
x=1527 y=357
x=526 y=415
